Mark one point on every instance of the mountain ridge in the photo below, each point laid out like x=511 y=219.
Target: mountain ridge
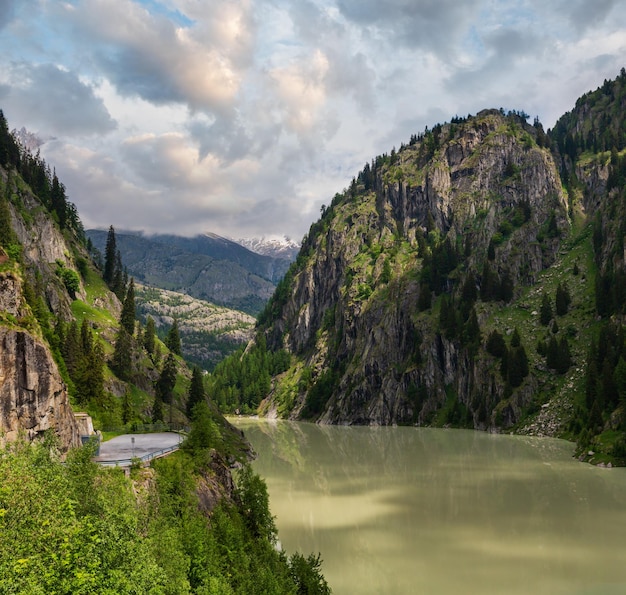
x=473 y=278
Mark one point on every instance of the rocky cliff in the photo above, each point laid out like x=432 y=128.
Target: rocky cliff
x=433 y=247
x=33 y=397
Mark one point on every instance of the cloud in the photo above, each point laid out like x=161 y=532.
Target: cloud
x=584 y=15
x=149 y=56
x=7 y=11
x=431 y=25
x=244 y=116
x=54 y=101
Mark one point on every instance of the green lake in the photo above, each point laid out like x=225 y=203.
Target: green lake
x=431 y=511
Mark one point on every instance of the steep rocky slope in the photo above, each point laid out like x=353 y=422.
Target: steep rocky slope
x=206 y=267
x=398 y=288
x=208 y=332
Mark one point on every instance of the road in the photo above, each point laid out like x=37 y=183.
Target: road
x=145 y=446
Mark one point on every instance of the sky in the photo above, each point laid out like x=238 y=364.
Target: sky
x=244 y=117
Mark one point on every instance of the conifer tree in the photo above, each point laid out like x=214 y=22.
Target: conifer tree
x=149 y=335
x=562 y=300
x=495 y=344
x=173 y=338
x=121 y=362
x=545 y=314
x=167 y=380
x=7 y=235
x=552 y=355
x=196 y=391
x=110 y=256
x=127 y=317
x=157 y=409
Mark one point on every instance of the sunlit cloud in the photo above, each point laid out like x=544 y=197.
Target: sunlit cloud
x=245 y=116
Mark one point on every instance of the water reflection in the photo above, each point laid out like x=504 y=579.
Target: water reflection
x=419 y=510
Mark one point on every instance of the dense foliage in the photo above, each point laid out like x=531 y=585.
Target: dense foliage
x=241 y=381
x=76 y=528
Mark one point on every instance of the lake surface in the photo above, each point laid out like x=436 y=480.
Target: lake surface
x=432 y=511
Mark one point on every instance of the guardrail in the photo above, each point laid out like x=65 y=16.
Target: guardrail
x=144 y=459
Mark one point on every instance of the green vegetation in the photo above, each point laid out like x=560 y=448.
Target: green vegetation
x=241 y=381
x=78 y=528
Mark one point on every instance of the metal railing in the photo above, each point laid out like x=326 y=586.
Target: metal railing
x=144 y=459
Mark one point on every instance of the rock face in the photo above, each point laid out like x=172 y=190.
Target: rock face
x=481 y=192
x=33 y=398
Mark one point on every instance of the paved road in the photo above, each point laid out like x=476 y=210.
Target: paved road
x=122 y=448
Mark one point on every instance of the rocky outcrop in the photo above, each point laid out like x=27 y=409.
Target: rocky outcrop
x=487 y=189
x=33 y=398
x=10 y=293
x=43 y=249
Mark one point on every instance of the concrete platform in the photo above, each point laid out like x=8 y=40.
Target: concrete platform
x=122 y=449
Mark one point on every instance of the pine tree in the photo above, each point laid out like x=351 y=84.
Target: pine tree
x=71 y=349
x=7 y=235
x=121 y=362
x=173 y=339
x=110 y=255
x=149 y=335
x=552 y=355
x=545 y=314
x=495 y=344
x=157 y=410
x=167 y=380
x=196 y=391
x=58 y=202
x=127 y=317
x=562 y=300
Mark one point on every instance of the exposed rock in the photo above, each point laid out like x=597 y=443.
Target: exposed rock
x=10 y=293
x=489 y=169
x=33 y=398
x=215 y=484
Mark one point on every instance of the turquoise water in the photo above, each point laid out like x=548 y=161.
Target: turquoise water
x=420 y=510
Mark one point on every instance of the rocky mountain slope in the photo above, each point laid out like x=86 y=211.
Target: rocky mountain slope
x=206 y=267
x=63 y=346
x=208 y=332
x=456 y=281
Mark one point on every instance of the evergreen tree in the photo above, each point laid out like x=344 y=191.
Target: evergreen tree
x=118 y=285
x=90 y=377
x=121 y=362
x=71 y=348
x=58 y=202
x=489 y=284
x=425 y=296
x=173 y=338
x=157 y=410
x=167 y=380
x=552 y=355
x=149 y=335
x=127 y=317
x=7 y=235
x=110 y=256
x=495 y=344
x=545 y=314
x=471 y=330
x=196 y=390
x=562 y=300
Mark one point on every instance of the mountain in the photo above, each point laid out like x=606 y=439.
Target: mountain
x=473 y=278
x=285 y=249
x=208 y=332
x=67 y=342
x=206 y=267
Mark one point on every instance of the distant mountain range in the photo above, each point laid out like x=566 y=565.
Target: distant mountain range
x=283 y=249
x=206 y=266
